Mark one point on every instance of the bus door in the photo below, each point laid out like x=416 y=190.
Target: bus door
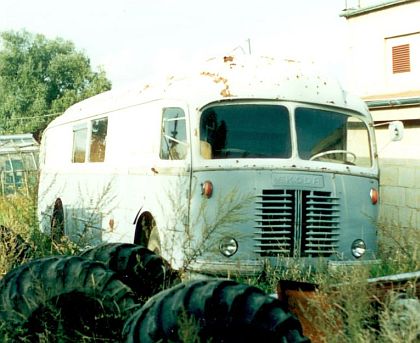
x=173 y=174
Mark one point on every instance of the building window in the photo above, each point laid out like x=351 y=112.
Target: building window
x=401 y=58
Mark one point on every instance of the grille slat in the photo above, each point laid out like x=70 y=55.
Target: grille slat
x=320 y=240
x=320 y=219
x=296 y=223
x=277 y=230
x=275 y=213
x=274 y=209
x=322 y=233
x=319 y=207
x=273 y=222
x=270 y=239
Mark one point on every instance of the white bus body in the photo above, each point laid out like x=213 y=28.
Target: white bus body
x=244 y=163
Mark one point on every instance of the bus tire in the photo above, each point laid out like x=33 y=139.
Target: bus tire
x=57 y=222
x=147 y=233
x=65 y=297
x=154 y=241
x=145 y=272
x=213 y=310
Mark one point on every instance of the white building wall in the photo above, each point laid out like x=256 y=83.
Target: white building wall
x=371 y=36
x=370 y=40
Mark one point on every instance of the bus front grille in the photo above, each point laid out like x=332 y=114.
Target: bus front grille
x=296 y=223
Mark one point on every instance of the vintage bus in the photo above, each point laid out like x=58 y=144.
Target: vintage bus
x=246 y=163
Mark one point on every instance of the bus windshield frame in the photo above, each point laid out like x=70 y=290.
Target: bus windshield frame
x=238 y=130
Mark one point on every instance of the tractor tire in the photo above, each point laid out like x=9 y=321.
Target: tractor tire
x=63 y=299
x=145 y=272
x=213 y=310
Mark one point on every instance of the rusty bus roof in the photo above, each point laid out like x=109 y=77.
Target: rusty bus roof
x=227 y=78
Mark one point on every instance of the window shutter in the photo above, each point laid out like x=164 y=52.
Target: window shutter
x=401 y=58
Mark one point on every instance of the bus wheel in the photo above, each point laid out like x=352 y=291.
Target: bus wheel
x=57 y=221
x=154 y=241
x=213 y=310
x=145 y=272
x=63 y=298
x=147 y=233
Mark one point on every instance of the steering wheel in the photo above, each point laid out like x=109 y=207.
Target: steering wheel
x=329 y=152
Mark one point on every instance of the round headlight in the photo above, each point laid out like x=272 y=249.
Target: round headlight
x=228 y=246
x=358 y=248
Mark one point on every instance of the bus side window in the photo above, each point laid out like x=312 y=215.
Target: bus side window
x=174 y=134
x=98 y=140
x=79 y=143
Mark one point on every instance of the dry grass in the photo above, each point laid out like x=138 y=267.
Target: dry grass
x=21 y=237
x=344 y=307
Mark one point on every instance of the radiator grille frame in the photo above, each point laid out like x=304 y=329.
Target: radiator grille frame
x=296 y=223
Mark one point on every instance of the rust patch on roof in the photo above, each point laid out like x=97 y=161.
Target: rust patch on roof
x=225 y=92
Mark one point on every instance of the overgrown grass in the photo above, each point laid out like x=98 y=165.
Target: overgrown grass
x=22 y=239
x=399 y=249
x=344 y=308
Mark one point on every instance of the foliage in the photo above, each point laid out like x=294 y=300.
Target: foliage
x=40 y=76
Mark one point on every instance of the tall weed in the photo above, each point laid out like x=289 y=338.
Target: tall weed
x=21 y=239
x=399 y=249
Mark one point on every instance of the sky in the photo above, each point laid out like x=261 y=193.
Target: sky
x=135 y=39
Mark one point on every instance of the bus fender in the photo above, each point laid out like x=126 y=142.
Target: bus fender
x=136 y=218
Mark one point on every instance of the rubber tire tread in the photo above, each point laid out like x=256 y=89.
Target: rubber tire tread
x=224 y=310
x=26 y=290
x=145 y=272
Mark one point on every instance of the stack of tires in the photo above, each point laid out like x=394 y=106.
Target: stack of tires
x=124 y=293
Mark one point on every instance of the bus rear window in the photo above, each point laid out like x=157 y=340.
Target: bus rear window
x=245 y=131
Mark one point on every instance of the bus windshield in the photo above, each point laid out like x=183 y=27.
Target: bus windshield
x=264 y=131
x=328 y=136
x=245 y=131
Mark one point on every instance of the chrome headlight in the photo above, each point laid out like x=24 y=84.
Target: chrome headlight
x=228 y=246
x=358 y=248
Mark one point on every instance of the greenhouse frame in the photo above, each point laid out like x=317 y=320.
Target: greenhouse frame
x=18 y=164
